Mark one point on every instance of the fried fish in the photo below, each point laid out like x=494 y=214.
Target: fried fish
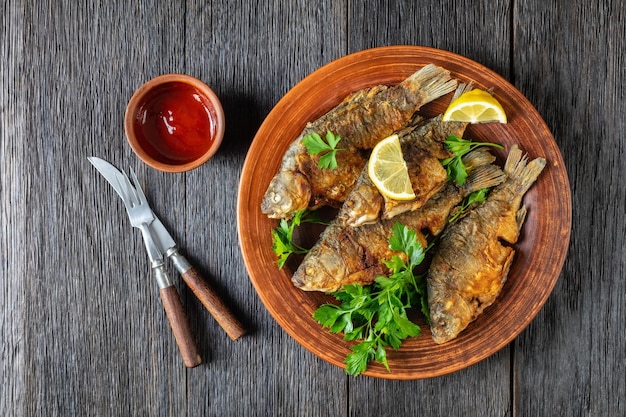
x=361 y=120
x=422 y=148
x=354 y=255
x=471 y=264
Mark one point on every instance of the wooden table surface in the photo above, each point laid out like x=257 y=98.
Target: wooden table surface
x=82 y=329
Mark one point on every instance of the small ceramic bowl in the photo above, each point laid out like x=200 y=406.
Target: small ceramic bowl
x=174 y=123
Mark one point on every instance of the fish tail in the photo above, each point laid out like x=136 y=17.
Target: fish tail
x=484 y=176
x=432 y=81
x=518 y=168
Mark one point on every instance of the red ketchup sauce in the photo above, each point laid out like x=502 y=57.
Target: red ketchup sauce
x=175 y=123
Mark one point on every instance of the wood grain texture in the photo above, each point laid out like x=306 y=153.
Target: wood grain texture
x=82 y=331
x=13 y=186
x=96 y=321
x=265 y=370
x=480 y=31
x=180 y=326
x=570 y=64
x=214 y=304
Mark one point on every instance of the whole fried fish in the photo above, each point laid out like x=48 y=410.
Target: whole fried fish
x=471 y=264
x=361 y=120
x=422 y=149
x=354 y=255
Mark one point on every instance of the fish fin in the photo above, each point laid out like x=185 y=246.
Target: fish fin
x=461 y=89
x=515 y=162
x=521 y=217
x=433 y=81
x=485 y=176
x=478 y=157
x=523 y=172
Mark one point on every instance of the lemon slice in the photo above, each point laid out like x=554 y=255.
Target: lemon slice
x=476 y=106
x=387 y=170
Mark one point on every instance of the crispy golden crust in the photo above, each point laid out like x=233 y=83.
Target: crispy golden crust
x=361 y=120
x=345 y=254
x=471 y=264
x=422 y=148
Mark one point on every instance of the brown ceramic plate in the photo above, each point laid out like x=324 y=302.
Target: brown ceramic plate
x=541 y=249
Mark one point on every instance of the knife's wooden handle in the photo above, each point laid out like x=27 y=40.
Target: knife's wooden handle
x=212 y=302
x=180 y=326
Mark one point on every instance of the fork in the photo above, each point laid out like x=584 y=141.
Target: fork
x=141 y=217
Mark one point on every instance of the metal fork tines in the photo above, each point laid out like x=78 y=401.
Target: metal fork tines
x=141 y=217
x=157 y=236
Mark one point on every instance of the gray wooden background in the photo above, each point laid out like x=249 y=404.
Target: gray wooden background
x=82 y=330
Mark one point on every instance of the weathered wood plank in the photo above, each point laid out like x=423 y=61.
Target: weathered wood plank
x=478 y=30
x=82 y=329
x=97 y=339
x=13 y=185
x=569 y=61
x=482 y=388
x=266 y=372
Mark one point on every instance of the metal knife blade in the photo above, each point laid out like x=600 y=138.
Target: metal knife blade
x=167 y=246
x=142 y=217
x=110 y=173
x=160 y=235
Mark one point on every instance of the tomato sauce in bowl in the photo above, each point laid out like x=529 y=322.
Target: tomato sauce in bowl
x=174 y=123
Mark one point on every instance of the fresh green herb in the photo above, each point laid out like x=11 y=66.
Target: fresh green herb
x=283 y=235
x=456 y=169
x=474 y=198
x=315 y=145
x=377 y=314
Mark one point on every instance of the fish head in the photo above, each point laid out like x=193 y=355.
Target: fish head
x=287 y=193
x=313 y=275
x=322 y=269
x=449 y=315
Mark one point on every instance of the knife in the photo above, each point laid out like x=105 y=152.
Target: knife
x=141 y=217
x=201 y=289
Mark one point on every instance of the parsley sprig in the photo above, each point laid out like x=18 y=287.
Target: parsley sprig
x=316 y=145
x=455 y=168
x=377 y=314
x=474 y=198
x=282 y=236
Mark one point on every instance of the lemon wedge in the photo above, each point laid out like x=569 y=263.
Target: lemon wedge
x=476 y=106
x=387 y=170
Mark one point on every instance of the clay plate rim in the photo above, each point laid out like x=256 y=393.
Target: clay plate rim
x=541 y=250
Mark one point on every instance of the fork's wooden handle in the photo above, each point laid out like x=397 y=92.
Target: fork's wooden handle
x=212 y=302
x=180 y=326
